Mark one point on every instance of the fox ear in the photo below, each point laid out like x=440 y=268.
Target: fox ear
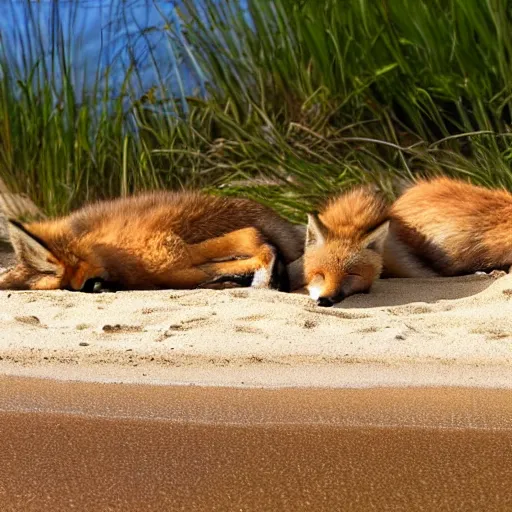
x=316 y=233
x=29 y=249
x=375 y=239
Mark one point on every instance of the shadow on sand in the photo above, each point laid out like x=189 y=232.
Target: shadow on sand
x=397 y=292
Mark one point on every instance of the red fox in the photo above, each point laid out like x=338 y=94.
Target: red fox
x=344 y=244
x=438 y=227
x=447 y=227
x=155 y=240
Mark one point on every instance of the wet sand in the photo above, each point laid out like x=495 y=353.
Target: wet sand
x=83 y=446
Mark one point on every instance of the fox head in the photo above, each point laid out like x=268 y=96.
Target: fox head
x=337 y=267
x=44 y=260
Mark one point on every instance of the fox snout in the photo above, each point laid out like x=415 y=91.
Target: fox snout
x=327 y=302
x=330 y=290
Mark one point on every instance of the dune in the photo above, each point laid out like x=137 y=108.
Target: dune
x=453 y=331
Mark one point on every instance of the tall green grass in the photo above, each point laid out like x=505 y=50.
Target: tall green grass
x=305 y=98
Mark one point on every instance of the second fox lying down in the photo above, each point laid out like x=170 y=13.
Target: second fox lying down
x=439 y=227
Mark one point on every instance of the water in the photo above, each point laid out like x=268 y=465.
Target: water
x=118 y=36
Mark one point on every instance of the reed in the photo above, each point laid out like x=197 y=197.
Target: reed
x=296 y=99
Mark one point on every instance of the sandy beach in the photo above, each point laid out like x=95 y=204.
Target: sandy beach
x=83 y=446
x=151 y=145
x=246 y=399
x=406 y=332
x=454 y=331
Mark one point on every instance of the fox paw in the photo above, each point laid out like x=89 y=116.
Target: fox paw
x=275 y=276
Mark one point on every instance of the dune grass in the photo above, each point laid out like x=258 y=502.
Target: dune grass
x=304 y=98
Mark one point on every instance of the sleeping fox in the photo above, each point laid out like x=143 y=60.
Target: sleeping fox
x=155 y=240
x=344 y=246
x=438 y=227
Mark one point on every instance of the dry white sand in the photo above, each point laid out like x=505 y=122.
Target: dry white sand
x=454 y=331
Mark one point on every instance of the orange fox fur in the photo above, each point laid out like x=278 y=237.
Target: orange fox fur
x=446 y=227
x=154 y=240
x=344 y=244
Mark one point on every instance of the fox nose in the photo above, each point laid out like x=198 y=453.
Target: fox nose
x=325 y=302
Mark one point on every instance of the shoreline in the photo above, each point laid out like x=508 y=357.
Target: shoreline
x=382 y=407
x=326 y=376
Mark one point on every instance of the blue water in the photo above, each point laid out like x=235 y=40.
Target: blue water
x=99 y=35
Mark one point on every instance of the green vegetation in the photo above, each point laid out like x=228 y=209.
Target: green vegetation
x=306 y=97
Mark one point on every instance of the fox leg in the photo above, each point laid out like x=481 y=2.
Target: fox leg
x=245 y=272
x=217 y=260
x=262 y=266
x=242 y=243
x=261 y=271
x=399 y=260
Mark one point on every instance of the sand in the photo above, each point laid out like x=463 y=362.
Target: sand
x=82 y=446
x=455 y=331
x=116 y=401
